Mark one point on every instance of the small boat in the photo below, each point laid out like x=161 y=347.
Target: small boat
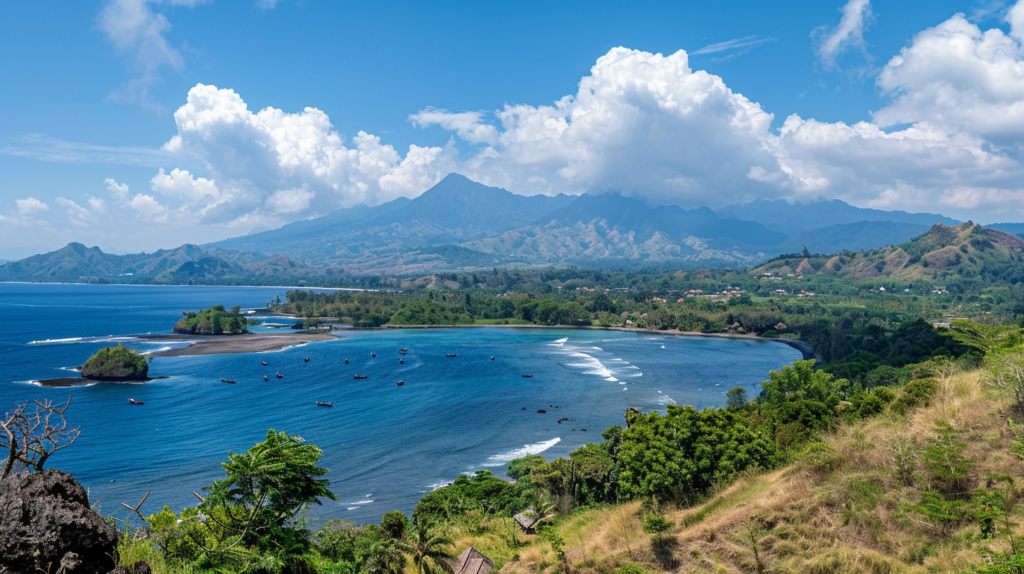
x=264 y=363
x=346 y=361
x=403 y=351
x=400 y=383
x=266 y=378
x=374 y=355
x=541 y=411
x=492 y=357
x=232 y=381
x=450 y=355
x=307 y=359
x=360 y=376
x=401 y=361
x=135 y=402
x=320 y=404
x=280 y=376
x=527 y=376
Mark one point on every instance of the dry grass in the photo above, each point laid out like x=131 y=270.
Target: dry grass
x=850 y=520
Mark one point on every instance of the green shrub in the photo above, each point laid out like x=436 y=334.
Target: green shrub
x=916 y=393
x=118 y=362
x=213 y=321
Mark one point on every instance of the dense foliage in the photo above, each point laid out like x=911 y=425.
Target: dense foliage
x=113 y=363
x=213 y=321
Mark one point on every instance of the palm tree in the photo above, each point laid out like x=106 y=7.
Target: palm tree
x=430 y=551
x=386 y=557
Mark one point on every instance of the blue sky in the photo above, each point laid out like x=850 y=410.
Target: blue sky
x=98 y=145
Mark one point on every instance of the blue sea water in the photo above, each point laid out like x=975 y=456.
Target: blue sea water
x=385 y=445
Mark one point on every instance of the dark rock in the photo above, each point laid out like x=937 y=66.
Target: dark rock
x=46 y=522
x=140 y=567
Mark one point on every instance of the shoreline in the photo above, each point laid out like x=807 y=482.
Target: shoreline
x=84 y=382
x=233 y=344
x=805 y=349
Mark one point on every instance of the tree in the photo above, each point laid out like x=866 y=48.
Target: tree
x=656 y=525
x=736 y=398
x=430 y=551
x=393 y=523
x=30 y=438
x=265 y=488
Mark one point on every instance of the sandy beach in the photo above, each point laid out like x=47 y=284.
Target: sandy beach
x=231 y=344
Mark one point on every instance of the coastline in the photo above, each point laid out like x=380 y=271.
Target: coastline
x=805 y=349
x=233 y=344
x=84 y=382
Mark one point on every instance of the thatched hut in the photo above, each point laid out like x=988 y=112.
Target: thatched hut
x=471 y=562
x=527 y=520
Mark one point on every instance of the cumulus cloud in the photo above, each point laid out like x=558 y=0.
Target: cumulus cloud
x=146 y=205
x=962 y=79
x=260 y=159
x=848 y=34
x=642 y=123
x=181 y=183
x=119 y=191
x=30 y=205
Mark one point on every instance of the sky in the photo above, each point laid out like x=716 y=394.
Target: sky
x=136 y=125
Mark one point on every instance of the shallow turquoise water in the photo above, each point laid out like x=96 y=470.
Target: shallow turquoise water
x=385 y=445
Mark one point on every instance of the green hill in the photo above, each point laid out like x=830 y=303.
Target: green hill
x=945 y=252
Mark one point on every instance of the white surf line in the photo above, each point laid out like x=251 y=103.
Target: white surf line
x=527 y=449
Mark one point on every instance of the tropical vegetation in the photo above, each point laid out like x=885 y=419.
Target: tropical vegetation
x=113 y=363
x=213 y=321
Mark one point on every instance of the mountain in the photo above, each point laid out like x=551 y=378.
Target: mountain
x=943 y=252
x=185 y=265
x=461 y=223
x=780 y=215
x=859 y=236
x=1014 y=228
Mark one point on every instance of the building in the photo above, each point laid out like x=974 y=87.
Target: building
x=527 y=520
x=471 y=562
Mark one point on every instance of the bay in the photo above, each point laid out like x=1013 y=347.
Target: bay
x=386 y=445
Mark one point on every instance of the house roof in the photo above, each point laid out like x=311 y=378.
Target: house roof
x=526 y=518
x=472 y=562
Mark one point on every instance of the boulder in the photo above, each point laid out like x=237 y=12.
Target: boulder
x=45 y=520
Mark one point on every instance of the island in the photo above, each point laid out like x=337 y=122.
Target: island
x=213 y=321
x=116 y=364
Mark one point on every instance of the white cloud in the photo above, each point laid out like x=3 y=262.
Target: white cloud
x=181 y=183
x=146 y=205
x=962 y=79
x=97 y=205
x=77 y=215
x=30 y=205
x=642 y=123
x=848 y=34
x=469 y=125
x=290 y=200
x=119 y=191
x=253 y=156
x=139 y=32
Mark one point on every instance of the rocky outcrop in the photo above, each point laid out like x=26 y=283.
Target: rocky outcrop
x=46 y=521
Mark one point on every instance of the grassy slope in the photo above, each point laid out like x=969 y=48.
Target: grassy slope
x=852 y=519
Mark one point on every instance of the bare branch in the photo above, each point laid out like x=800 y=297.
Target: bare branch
x=136 y=508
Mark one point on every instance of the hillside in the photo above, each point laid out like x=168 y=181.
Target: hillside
x=780 y=215
x=967 y=250
x=187 y=264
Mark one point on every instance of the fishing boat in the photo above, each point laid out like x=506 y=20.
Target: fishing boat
x=135 y=402
x=231 y=381
x=374 y=355
x=307 y=359
x=403 y=351
x=360 y=376
x=400 y=383
x=541 y=411
x=401 y=361
x=492 y=357
x=280 y=376
x=320 y=404
x=346 y=361
x=527 y=376
x=450 y=355
x=264 y=363
x=266 y=378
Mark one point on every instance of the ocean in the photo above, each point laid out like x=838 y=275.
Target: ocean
x=386 y=445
